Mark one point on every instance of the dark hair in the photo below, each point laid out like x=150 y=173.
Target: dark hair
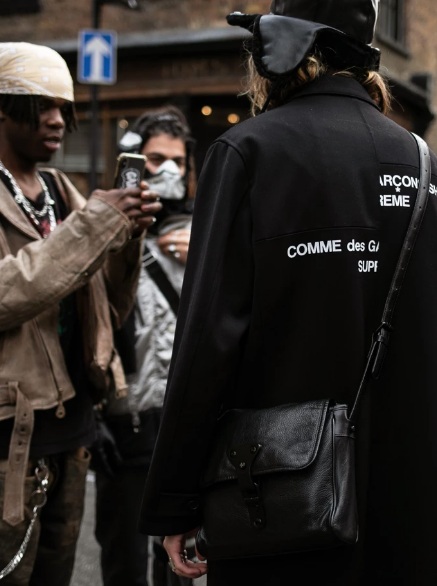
x=169 y=120
x=26 y=109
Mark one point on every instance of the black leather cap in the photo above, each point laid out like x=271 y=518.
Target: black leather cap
x=356 y=18
x=340 y=29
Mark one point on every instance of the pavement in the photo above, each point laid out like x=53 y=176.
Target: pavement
x=87 y=565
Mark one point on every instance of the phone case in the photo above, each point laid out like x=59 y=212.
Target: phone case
x=130 y=170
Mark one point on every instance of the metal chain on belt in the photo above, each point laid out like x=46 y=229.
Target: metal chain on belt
x=40 y=495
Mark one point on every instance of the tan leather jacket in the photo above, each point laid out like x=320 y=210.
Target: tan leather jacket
x=91 y=252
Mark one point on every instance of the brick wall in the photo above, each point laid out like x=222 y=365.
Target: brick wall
x=62 y=19
x=422 y=41
x=420 y=55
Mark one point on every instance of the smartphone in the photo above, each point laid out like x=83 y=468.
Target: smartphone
x=130 y=170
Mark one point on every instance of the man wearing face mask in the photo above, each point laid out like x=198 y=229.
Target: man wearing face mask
x=145 y=348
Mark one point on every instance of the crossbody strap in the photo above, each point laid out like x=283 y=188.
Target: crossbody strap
x=124 y=338
x=381 y=336
x=158 y=275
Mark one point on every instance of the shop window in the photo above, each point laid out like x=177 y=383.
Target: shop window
x=391 y=21
x=11 y=7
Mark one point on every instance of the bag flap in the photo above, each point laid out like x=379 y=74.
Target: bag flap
x=289 y=436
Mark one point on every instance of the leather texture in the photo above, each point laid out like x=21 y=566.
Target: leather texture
x=281 y=44
x=356 y=18
x=33 y=373
x=280 y=480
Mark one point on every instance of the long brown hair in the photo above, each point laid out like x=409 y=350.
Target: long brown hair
x=259 y=89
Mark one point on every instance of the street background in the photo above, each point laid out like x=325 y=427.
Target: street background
x=87 y=567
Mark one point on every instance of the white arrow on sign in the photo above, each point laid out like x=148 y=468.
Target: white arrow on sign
x=97 y=48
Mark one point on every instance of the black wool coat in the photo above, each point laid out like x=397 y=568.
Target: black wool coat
x=298 y=223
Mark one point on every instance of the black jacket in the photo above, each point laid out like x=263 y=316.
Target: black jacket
x=298 y=223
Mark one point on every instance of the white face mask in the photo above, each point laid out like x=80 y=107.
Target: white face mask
x=167 y=182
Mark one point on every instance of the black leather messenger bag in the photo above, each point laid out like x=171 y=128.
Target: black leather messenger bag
x=282 y=480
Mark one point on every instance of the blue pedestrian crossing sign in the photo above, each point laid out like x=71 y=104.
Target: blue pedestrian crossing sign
x=97 y=57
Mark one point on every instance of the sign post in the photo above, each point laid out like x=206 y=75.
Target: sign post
x=96 y=65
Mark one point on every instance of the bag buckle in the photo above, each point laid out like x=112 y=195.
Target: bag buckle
x=379 y=348
x=242 y=458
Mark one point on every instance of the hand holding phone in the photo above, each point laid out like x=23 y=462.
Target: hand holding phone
x=139 y=206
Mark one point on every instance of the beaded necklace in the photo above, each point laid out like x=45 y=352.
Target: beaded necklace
x=28 y=208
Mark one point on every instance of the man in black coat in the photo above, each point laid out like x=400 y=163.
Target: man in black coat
x=300 y=217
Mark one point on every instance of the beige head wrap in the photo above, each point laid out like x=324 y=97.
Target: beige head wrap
x=27 y=69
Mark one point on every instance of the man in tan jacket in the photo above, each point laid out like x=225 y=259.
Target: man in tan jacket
x=68 y=271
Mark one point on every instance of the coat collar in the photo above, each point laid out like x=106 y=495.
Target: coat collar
x=14 y=214
x=335 y=85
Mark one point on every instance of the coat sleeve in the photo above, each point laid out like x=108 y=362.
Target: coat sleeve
x=213 y=321
x=47 y=270
x=122 y=271
x=121 y=267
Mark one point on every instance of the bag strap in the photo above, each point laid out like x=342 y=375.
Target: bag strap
x=125 y=337
x=381 y=336
x=158 y=275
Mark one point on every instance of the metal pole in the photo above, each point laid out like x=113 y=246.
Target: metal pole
x=94 y=99
x=94 y=96
x=95 y=136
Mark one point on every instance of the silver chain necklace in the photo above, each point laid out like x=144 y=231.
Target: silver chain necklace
x=31 y=211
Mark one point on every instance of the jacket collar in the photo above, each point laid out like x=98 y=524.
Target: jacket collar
x=335 y=85
x=14 y=214
x=72 y=198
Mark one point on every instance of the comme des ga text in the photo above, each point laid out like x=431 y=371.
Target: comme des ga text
x=336 y=246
